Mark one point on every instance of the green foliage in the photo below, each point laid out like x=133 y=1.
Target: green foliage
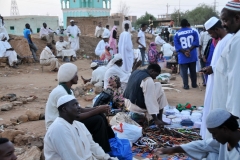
x=197 y=16
x=145 y=19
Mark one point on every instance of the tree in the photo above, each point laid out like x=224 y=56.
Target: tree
x=197 y=16
x=123 y=8
x=145 y=19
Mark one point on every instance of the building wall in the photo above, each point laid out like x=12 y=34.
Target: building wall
x=16 y=24
x=87 y=25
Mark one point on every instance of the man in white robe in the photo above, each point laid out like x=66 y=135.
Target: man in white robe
x=227 y=78
x=47 y=58
x=100 y=49
x=125 y=48
x=73 y=33
x=99 y=30
x=225 y=145
x=126 y=21
x=47 y=34
x=93 y=118
x=97 y=75
x=114 y=68
x=69 y=139
x=159 y=41
x=106 y=31
x=64 y=50
x=2 y=28
x=6 y=50
x=215 y=29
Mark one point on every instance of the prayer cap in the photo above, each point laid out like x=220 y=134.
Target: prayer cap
x=71 y=20
x=67 y=72
x=233 y=5
x=210 y=23
x=105 y=36
x=93 y=64
x=217 y=117
x=64 y=99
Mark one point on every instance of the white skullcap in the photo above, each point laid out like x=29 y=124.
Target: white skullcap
x=67 y=72
x=116 y=58
x=71 y=20
x=2 y=35
x=210 y=23
x=93 y=64
x=233 y=5
x=64 y=99
x=105 y=36
x=217 y=117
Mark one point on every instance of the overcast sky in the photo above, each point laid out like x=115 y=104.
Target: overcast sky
x=137 y=7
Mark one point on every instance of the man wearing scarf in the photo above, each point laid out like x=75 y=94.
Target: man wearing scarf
x=215 y=30
x=93 y=118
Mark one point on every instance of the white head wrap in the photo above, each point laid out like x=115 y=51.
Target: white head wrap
x=71 y=20
x=67 y=72
x=64 y=99
x=2 y=35
x=233 y=5
x=115 y=59
x=217 y=117
x=210 y=23
x=93 y=64
x=105 y=36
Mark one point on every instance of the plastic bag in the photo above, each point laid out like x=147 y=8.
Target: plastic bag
x=128 y=131
x=120 y=148
x=122 y=117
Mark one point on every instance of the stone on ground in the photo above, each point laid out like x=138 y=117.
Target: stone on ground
x=33 y=153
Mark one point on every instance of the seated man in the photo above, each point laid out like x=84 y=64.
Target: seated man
x=47 y=58
x=6 y=150
x=225 y=144
x=2 y=28
x=167 y=50
x=97 y=75
x=93 y=118
x=106 y=56
x=143 y=95
x=47 y=34
x=6 y=50
x=114 y=68
x=68 y=139
x=64 y=50
x=99 y=30
x=100 y=49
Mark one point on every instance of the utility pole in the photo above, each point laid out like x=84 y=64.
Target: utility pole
x=14 y=8
x=179 y=14
x=214 y=5
x=167 y=9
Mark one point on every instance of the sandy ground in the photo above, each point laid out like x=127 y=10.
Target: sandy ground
x=30 y=80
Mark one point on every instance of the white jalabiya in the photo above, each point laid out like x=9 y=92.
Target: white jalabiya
x=116 y=70
x=227 y=78
x=3 y=30
x=210 y=83
x=65 y=141
x=154 y=97
x=51 y=111
x=130 y=25
x=11 y=55
x=106 y=32
x=211 y=150
x=64 y=51
x=101 y=47
x=48 y=59
x=98 y=76
x=167 y=49
x=99 y=31
x=125 y=48
x=74 y=39
x=159 y=40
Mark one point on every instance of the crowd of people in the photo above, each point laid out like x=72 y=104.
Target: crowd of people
x=74 y=132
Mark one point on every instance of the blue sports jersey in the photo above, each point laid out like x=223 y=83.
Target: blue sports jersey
x=185 y=38
x=26 y=33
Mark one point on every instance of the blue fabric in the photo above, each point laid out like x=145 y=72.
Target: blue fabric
x=184 y=39
x=209 y=58
x=120 y=148
x=26 y=33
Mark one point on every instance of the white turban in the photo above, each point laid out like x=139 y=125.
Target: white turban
x=71 y=20
x=116 y=58
x=67 y=72
x=2 y=35
x=64 y=99
x=93 y=64
x=210 y=23
x=217 y=117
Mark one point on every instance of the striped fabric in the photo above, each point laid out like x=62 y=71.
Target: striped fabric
x=233 y=5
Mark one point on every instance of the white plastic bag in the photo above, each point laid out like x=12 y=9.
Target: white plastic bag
x=128 y=131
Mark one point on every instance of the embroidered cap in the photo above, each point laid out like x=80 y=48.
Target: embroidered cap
x=233 y=5
x=217 y=117
x=64 y=99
